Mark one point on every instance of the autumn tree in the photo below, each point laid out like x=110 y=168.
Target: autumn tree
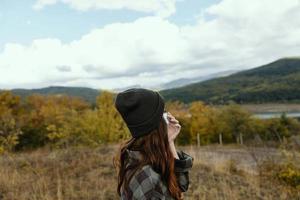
x=47 y=119
x=216 y=126
x=237 y=120
x=279 y=128
x=199 y=120
x=112 y=126
x=177 y=108
x=9 y=124
x=83 y=129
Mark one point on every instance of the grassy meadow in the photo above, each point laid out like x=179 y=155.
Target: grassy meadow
x=61 y=148
x=219 y=172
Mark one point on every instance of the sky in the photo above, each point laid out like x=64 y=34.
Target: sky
x=107 y=44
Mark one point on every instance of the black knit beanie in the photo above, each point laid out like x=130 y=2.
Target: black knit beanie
x=141 y=109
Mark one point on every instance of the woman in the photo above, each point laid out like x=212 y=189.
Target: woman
x=149 y=166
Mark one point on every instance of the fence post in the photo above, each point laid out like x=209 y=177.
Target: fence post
x=241 y=138
x=220 y=139
x=198 y=140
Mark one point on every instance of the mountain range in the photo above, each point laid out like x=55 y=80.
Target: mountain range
x=88 y=94
x=278 y=81
x=181 y=81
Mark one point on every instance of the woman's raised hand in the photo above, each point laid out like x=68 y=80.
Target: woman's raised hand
x=173 y=127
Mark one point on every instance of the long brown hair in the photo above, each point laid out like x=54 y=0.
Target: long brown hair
x=155 y=151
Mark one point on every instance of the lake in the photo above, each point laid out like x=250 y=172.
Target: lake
x=276 y=115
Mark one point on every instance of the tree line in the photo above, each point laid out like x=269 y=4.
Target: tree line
x=60 y=121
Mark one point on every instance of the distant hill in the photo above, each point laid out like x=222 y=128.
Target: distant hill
x=278 y=81
x=87 y=94
x=179 y=82
x=117 y=90
x=186 y=81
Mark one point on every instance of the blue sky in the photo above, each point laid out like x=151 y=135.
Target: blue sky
x=114 y=44
x=21 y=23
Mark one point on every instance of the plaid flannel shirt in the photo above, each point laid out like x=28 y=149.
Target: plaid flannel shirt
x=146 y=184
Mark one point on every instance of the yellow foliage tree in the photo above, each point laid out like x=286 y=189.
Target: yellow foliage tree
x=238 y=121
x=112 y=126
x=49 y=118
x=9 y=126
x=177 y=108
x=199 y=120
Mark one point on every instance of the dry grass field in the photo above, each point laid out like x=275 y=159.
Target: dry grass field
x=87 y=174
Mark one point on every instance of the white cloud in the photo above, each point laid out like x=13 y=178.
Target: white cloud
x=123 y=48
x=239 y=34
x=163 y=8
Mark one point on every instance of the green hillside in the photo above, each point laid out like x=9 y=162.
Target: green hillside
x=277 y=82
x=87 y=94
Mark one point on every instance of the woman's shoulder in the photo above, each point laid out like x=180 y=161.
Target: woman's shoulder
x=146 y=174
x=146 y=183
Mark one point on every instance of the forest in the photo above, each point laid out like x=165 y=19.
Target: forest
x=274 y=82
x=61 y=121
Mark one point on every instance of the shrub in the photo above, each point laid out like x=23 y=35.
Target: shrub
x=1 y=150
x=290 y=175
